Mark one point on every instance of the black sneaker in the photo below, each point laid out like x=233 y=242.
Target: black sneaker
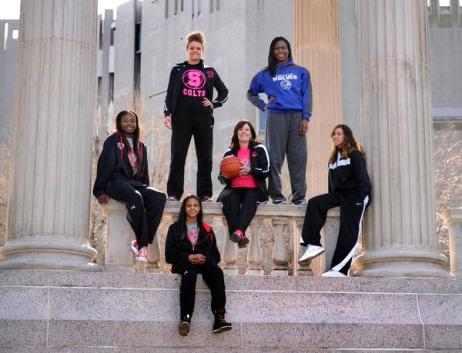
x=279 y=201
x=300 y=203
x=220 y=325
x=185 y=323
x=243 y=242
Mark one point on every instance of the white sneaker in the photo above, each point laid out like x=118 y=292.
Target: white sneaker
x=301 y=242
x=142 y=255
x=311 y=252
x=134 y=247
x=333 y=273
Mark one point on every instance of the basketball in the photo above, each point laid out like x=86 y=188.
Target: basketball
x=230 y=166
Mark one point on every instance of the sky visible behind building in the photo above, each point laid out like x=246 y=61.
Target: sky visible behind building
x=9 y=9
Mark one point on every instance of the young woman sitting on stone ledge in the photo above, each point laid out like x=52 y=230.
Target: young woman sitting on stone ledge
x=123 y=175
x=191 y=248
x=349 y=188
x=242 y=193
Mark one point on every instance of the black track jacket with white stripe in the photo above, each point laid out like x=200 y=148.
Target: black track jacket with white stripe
x=205 y=81
x=259 y=169
x=349 y=176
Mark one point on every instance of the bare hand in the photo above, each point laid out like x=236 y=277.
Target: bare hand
x=207 y=103
x=303 y=127
x=271 y=99
x=102 y=199
x=168 y=121
x=244 y=170
x=196 y=259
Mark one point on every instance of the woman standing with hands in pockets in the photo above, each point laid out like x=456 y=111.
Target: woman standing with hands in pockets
x=188 y=112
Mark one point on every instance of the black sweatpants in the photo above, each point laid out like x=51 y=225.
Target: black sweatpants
x=145 y=206
x=351 y=215
x=213 y=277
x=183 y=128
x=239 y=208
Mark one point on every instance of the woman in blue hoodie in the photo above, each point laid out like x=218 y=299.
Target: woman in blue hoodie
x=288 y=87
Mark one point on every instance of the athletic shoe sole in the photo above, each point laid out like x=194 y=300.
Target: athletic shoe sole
x=222 y=329
x=312 y=256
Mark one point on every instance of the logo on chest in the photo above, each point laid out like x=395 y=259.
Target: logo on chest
x=285 y=84
x=194 y=81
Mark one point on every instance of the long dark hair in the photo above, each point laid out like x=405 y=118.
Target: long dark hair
x=136 y=133
x=271 y=60
x=182 y=217
x=235 y=141
x=350 y=144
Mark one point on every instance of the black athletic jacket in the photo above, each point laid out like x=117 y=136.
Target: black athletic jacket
x=349 y=176
x=113 y=164
x=259 y=168
x=212 y=80
x=178 y=247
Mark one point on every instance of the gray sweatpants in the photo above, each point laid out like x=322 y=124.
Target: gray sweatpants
x=282 y=137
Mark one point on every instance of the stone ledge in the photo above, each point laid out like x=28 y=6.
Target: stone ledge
x=124 y=280
x=111 y=311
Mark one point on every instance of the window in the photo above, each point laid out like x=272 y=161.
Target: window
x=211 y=6
x=138 y=38
x=111 y=87
x=182 y=6
x=218 y=5
x=112 y=36
x=166 y=8
x=175 y=9
x=199 y=7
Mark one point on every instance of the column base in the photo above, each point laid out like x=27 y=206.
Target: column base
x=395 y=262
x=47 y=253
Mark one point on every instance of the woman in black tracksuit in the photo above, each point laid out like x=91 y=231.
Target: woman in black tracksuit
x=188 y=112
x=242 y=194
x=191 y=248
x=123 y=175
x=349 y=188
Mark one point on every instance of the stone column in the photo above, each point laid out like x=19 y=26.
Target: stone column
x=454 y=222
x=396 y=124
x=317 y=47
x=52 y=143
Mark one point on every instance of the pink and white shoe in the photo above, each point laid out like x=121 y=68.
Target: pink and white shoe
x=134 y=247
x=142 y=255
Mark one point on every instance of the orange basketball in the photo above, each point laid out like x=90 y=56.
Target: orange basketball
x=230 y=166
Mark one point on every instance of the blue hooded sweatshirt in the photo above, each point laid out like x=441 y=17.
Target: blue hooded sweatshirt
x=290 y=89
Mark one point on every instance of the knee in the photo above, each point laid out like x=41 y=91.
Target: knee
x=136 y=201
x=156 y=197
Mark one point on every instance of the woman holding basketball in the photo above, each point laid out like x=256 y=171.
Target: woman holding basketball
x=243 y=192
x=189 y=106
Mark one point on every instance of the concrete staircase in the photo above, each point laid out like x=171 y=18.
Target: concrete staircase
x=134 y=312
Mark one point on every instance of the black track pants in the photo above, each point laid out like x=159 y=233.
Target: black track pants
x=213 y=277
x=145 y=206
x=183 y=128
x=239 y=208
x=351 y=214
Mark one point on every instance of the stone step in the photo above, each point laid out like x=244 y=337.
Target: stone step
x=134 y=312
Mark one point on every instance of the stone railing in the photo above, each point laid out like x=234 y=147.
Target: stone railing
x=273 y=249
